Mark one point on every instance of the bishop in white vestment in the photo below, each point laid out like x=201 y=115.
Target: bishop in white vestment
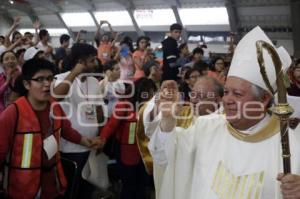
x=229 y=156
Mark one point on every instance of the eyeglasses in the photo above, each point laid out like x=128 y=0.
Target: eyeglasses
x=42 y=80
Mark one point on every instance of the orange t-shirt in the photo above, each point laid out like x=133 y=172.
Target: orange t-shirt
x=138 y=55
x=104 y=52
x=217 y=76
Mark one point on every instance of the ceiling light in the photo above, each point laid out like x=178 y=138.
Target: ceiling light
x=11 y=2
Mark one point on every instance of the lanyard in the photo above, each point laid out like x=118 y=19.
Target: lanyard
x=81 y=90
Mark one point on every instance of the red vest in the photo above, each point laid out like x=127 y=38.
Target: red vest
x=26 y=154
x=126 y=132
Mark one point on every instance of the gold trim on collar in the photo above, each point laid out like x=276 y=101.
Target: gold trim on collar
x=272 y=128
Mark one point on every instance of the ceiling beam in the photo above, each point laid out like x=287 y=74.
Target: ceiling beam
x=56 y=9
x=138 y=30
x=49 y=5
x=126 y=3
x=130 y=7
x=22 y=7
x=7 y=16
x=87 y=4
x=94 y=18
x=234 y=22
x=71 y=33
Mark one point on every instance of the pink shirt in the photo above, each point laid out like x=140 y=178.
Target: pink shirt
x=126 y=67
x=4 y=92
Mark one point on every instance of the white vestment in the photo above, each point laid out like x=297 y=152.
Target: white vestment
x=206 y=161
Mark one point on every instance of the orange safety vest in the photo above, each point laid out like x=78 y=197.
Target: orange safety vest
x=24 y=163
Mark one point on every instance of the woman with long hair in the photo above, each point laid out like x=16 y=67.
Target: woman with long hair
x=9 y=63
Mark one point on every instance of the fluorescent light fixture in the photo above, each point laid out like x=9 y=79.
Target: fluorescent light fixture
x=54 y=32
x=208 y=39
x=79 y=19
x=194 y=38
x=204 y=16
x=156 y=17
x=115 y=18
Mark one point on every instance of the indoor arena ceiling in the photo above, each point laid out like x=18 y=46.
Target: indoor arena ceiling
x=273 y=15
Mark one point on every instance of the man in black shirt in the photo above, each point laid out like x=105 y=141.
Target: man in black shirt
x=61 y=52
x=171 y=53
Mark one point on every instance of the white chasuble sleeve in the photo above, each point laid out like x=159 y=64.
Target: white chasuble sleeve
x=179 y=150
x=150 y=125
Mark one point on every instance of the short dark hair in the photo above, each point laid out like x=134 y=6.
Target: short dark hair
x=147 y=66
x=189 y=72
x=2 y=37
x=28 y=33
x=110 y=65
x=43 y=33
x=201 y=66
x=29 y=69
x=198 y=50
x=175 y=26
x=182 y=46
x=64 y=38
x=81 y=51
x=143 y=85
x=19 y=52
x=32 y=66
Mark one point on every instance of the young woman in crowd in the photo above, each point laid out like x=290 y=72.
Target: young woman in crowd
x=218 y=70
x=125 y=57
x=141 y=56
x=190 y=78
x=9 y=63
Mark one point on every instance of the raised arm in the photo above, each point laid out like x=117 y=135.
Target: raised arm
x=110 y=28
x=98 y=32
x=36 y=26
x=62 y=88
x=14 y=45
x=16 y=23
x=167 y=103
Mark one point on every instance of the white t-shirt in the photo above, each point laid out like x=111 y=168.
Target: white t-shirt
x=82 y=116
x=110 y=91
x=44 y=48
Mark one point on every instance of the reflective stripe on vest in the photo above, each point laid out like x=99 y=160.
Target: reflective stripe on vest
x=27 y=151
x=131 y=135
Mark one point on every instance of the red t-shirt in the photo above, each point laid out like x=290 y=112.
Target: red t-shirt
x=8 y=121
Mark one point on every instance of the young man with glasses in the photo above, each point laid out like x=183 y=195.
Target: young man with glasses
x=31 y=128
